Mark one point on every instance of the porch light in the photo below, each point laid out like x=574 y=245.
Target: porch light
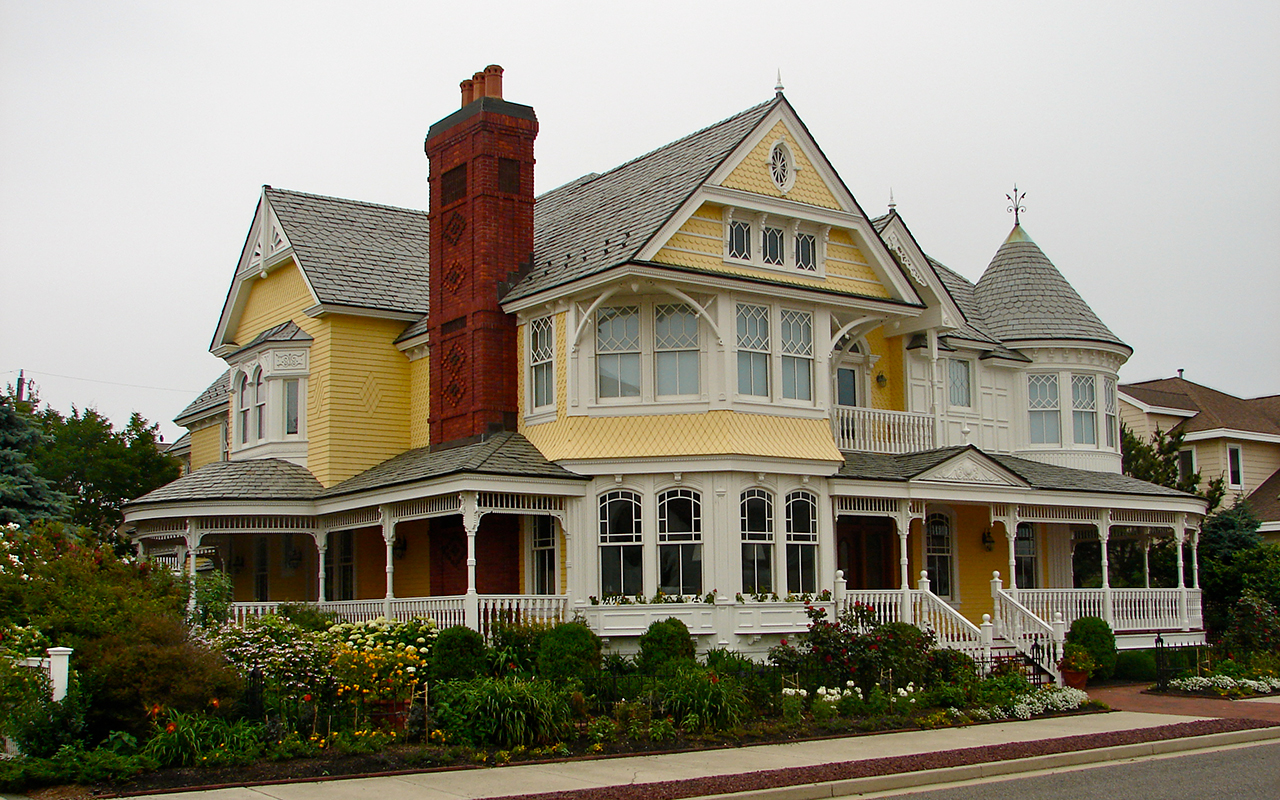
x=881 y=380
x=987 y=540
x=400 y=547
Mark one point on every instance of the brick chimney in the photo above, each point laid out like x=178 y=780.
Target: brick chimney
x=481 y=212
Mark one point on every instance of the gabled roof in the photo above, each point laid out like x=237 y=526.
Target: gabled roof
x=253 y=479
x=905 y=467
x=600 y=221
x=213 y=397
x=1023 y=297
x=356 y=254
x=1215 y=410
x=1265 y=500
x=507 y=453
x=284 y=332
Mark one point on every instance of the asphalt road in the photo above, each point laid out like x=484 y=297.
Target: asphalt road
x=1242 y=773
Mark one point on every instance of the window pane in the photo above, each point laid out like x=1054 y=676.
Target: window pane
x=806 y=252
x=1235 y=467
x=771 y=245
x=753 y=374
x=959 y=383
x=291 y=406
x=802 y=568
x=740 y=240
x=846 y=387
x=757 y=568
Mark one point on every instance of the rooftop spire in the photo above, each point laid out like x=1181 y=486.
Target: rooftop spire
x=1015 y=204
x=777 y=87
x=892 y=205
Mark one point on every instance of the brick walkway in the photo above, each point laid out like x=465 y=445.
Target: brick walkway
x=1132 y=698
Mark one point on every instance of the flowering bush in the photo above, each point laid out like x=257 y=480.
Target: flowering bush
x=377 y=674
x=413 y=636
x=19 y=641
x=1029 y=704
x=1226 y=686
x=293 y=661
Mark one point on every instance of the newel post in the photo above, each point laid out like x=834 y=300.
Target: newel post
x=838 y=591
x=987 y=637
x=59 y=670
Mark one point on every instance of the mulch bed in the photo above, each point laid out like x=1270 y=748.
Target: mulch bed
x=408 y=760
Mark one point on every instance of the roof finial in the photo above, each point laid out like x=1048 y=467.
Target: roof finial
x=892 y=205
x=1015 y=204
x=777 y=88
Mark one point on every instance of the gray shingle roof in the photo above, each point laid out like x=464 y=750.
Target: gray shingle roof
x=415 y=328
x=216 y=395
x=872 y=467
x=1023 y=297
x=284 y=332
x=600 y=221
x=504 y=453
x=357 y=254
x=1214 y=409
x=254 y=479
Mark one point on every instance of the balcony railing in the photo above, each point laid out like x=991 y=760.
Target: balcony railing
x=873 y=430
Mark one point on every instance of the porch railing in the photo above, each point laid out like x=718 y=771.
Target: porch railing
x=1026 y=631
x=873 y=430
x=951 y=628
x=446 y=610
x=1131 y=609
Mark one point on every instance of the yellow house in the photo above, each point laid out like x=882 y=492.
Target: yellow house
x=704 y=384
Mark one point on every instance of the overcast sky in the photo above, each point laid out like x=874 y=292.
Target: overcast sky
x=135 y=137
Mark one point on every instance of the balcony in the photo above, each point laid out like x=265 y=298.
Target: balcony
x=872 y=430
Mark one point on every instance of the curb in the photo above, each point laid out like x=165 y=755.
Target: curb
x=930 y=777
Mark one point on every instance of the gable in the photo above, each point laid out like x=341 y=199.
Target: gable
x=971 y=466
x=752 y=172
x=281 y=296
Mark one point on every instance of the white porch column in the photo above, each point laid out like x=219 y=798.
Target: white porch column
x=389 y=539
x=904 y=529
x=1179 y=536
x=193 y=541
x=1011 y=536
x=321 y=535
x=1104 y=535
x=1146 y=560
x=1195 y=558
x=471 y=524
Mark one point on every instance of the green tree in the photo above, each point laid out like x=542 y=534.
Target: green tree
x=1156 y=462
x=25 y=495
x=98 y=467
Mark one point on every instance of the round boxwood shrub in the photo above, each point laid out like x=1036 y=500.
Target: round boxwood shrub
x=666 y=643
x=569 y=650
x=1094 y=635
x=458 y=653
x=1136 y=665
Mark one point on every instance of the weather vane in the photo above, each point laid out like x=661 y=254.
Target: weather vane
x=1015 y=204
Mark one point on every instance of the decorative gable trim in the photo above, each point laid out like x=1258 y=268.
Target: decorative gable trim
x=971 y=466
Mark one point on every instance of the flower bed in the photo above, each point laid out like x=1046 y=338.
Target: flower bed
x=1225 y=686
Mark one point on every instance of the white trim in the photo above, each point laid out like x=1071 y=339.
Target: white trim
x=324 y=309
x=1232 y=433
x=1152 y=409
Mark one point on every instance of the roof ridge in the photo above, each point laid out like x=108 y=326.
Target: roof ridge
x=347 y=200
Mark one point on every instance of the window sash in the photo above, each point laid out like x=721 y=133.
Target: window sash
x=939 y=544
x=959 y=383
x=806 y=252
x=1084 y=404
x=1024 y=551
x=621 y=570
x=1235 y=466
x=680 y=568
x=771 y=246
x=802 y=568
x=291 y=419
x=757 y=567
x=541 y=359
x=740 y=240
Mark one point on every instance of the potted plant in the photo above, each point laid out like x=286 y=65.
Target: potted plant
x=1076 y=664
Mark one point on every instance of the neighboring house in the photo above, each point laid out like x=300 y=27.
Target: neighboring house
x=1223 y=436
x=706 y=374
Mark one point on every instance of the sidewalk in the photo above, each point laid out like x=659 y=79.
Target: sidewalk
x=626 y=773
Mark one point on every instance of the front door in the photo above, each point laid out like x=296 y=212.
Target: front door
x=866 y=549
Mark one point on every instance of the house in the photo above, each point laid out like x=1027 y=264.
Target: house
x=706 y=376
x=1224 y=437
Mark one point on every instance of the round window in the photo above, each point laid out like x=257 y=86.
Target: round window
x=780 y=166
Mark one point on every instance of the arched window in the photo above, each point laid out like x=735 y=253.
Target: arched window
x=680 y=542
x=757 y=541
x=621 y=551
x=938 y=553
x=802 y=542
x=245 y=403
x=260 y=405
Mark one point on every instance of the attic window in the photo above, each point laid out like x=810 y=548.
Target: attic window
x=453 y=185
x=781 y=166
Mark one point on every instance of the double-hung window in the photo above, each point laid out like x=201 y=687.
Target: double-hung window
x=542 y=350
x=1084 y=409
x=621 y=550
x=802 y=542
x=757 y=541
x=753 y=350
x=618 y=352
x=675 y=345
x=1186 y=464
x=1042 y=401
x=1024 y=555
x=680 y=542
x=938 y=553
x=244 y=404
x=797 y=355
x=259 y=405
x=544 y=555
x=958 y=383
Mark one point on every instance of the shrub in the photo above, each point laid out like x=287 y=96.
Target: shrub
x=1254 y=626
x=666 y=643
x=292 y=661
x=904 y=653
x=1094 y=635
x=569 y=650
x=947 y=666
x=1135 y=665
x=186 y=740
x=41 y=727
x=514 y=646
x=458 y=653
x=702 y=699
x=502 y=711
x=376 y=675
x=308 y=617
x=213 y=598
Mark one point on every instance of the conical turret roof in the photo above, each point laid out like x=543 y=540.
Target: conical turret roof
x=1024 y=297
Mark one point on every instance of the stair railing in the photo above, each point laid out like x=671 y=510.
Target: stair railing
x=1033 y=637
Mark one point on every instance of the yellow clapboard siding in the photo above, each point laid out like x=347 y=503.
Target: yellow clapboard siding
x=419 y=402
x=888 y=350
x=752 y=175
x=974 y=563
x=709 y=433
x=206 y=446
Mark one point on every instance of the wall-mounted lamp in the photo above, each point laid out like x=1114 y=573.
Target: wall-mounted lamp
x=400 y=547
x=881 y=380
x=988 y=541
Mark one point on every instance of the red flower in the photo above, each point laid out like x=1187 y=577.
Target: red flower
x=171 y=727
x=154 y=711
x=216 y=703
x=784 y=642
x=306 y=698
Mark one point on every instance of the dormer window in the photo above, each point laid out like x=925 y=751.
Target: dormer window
x=773 y=241
x=269 y=397
x=740 y=240
x=771 y=248
x=806 y=252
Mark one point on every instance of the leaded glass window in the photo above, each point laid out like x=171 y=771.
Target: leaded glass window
x=771 y=248
x=806 y=252
x=753 y=350
x=958 y=383
x=542 y=350
x=675 y=344
x=1109 y=399
x=1042 y=402
x=797 y=355
x=740 y=240
x=1084 y=409
x=618 y=351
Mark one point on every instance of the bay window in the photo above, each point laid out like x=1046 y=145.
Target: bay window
x=757 y=541
x=797 y=358
x=618 y=352
x=621 y=548
x=680 y=542
x=802 y=542
x=753 y=350
x=1042 y=402
x=1084 y=409
x=675 y=345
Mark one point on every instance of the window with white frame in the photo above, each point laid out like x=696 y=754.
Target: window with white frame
x=757 y=541
x=938 y=553
x=542 y=349
x=802 y=542
x=680 y=542
x=797 y=355
x=675 y=344
x=544 y=555
x=340 y=566
x=1084 y=409
x=1186 y=464
x=259 y=405
x=781 y=166
x=774 y=241
x=753 y=350
x=807 y=252
x=618 y=352
x=958 y=383
x=1024 y=555
x=289 y=411
x=1042 y=402
x=772 y=247
x=244 y=404
x=739 y=240
x=621 y=548
x=1110 y=418
x=1235 y=467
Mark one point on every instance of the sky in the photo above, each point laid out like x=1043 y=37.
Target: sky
x=135 y=138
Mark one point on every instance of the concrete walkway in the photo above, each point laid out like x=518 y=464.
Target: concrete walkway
x=568 y=776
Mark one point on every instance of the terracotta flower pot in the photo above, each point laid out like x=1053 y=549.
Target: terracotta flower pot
x=1076 y=679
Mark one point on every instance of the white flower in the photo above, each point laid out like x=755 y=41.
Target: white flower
x=902 y=693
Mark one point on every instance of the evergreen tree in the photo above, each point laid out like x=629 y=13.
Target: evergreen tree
x=25 y=496
x=1156 y=462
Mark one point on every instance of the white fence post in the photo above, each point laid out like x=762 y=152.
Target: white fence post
x=59 y=669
